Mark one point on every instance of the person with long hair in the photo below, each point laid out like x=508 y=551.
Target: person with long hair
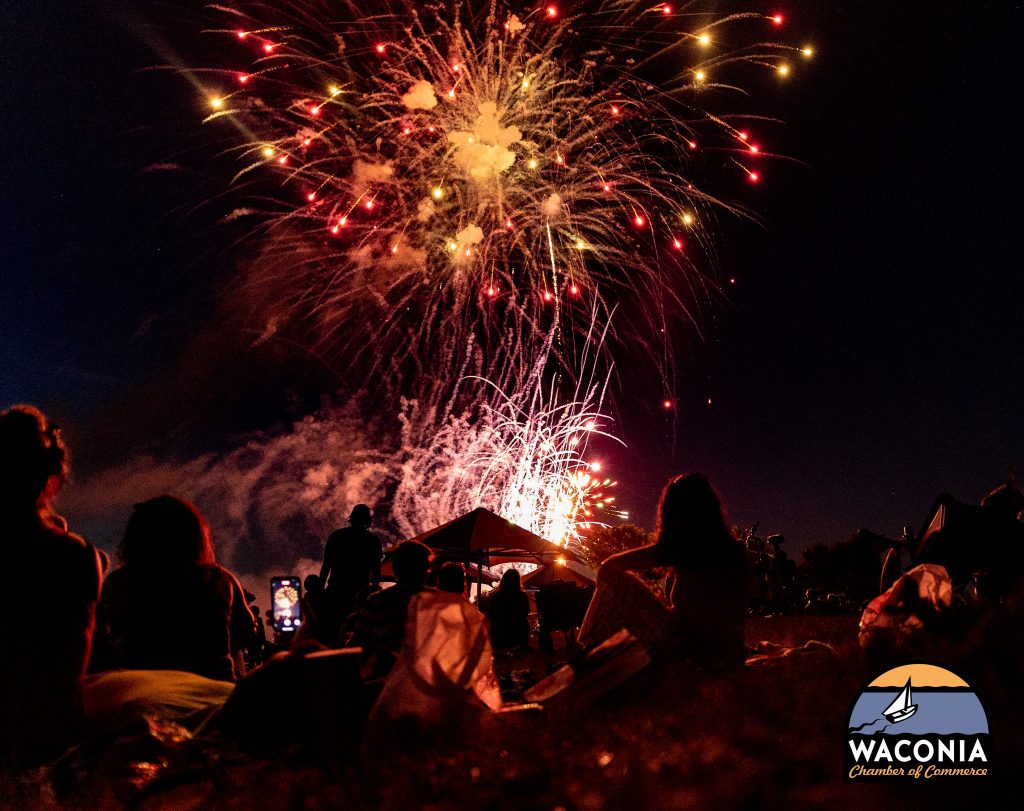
x=170 y=606
x=47 y=630
x=508 y=611
x=707 y=599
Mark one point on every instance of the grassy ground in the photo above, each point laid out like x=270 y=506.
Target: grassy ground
x=672 y=737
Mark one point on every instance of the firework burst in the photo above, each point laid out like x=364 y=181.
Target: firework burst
x=427 y=172
x=451 y=197
x=523 y=452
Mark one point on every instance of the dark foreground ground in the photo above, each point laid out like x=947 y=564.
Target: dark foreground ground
x=672 y=737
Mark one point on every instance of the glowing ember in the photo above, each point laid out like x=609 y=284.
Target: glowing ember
x=467 y=122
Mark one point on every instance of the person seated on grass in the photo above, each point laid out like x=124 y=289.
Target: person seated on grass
x=380 y=623
x=48 y=633
x=443 y=677
x=170 y=606
x=704 y=620
x=508 y=612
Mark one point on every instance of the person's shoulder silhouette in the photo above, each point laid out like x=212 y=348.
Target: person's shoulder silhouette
x=41 y=677
x=170 y=605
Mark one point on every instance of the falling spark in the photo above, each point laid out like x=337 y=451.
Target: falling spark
x=373 y=105
x=523 y=453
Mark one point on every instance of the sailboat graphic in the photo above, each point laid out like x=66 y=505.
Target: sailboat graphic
x=902 y=706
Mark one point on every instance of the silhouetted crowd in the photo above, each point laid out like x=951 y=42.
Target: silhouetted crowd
x=416 y=646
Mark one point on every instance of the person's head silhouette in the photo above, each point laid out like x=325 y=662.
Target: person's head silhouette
x=360 y=516
x=312 y=584
x=511 y=580
x=451 y=577
x=691 y=522
x=411 y=562
x=166 y=533
x=33 y=460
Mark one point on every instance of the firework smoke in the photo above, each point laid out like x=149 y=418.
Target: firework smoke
x=273 y=499
x=449 y=198
x=433 y=172
x=522 y=453
x=269 y=502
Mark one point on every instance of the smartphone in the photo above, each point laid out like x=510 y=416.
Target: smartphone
x=285 y=593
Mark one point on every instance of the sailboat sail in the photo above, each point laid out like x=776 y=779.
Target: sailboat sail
x=902 y=707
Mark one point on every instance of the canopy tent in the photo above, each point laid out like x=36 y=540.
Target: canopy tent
x=955 y=536
x=570 y=570
x=484 y=535
x=966 y=539
x=475 y=571
x=487 y=539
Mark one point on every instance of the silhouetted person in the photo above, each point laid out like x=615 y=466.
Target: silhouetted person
x=1004 y=570
x=708 y=595
x=312 y=596
x=47 y=633
x=316 y=624
x=348 y=624
x=561 y=606
x=380 y=623
x=170 y=606
x=352 y=560
x=508 y=611
x=892 y=567
x=451 y=577
x=892 y=563
x=258 y=647
x=1005 y=502
x=969 y=541
x=443 y=677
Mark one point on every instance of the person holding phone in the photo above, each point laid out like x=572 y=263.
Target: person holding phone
x=170 y=606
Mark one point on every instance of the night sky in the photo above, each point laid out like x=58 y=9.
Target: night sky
x=869 y=356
